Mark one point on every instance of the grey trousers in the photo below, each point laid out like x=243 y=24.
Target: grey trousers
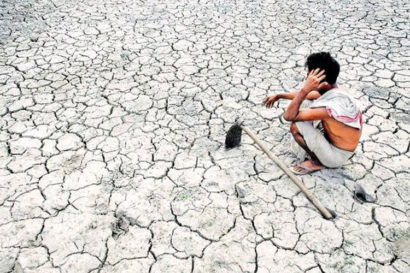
x=329 y=155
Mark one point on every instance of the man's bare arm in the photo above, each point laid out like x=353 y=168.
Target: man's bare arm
x=312 y=95
x=269 y=101
x=293 y=109
x=312 y=83
x=312 y=114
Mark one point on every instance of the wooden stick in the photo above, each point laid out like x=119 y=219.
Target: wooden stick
x=292 y=176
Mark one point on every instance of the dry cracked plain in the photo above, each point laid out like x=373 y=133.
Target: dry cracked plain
x=113 y=115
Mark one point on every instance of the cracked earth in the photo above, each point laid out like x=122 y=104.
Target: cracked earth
x=113 y=116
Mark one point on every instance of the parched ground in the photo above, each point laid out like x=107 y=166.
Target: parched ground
x=113 y=115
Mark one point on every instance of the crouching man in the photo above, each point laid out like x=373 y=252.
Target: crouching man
x=329 y=129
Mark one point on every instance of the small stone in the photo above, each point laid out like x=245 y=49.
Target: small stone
x=240 y=191
x=34 y=38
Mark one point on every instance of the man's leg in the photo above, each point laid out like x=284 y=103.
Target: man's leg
x=313 y=164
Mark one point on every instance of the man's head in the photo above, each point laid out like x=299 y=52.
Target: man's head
x=323 y=60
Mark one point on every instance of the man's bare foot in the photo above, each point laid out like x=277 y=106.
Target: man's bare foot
x=306 y=167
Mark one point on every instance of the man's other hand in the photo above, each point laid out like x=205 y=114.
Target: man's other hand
x=269 y=101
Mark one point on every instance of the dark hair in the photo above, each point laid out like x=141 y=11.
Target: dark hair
x=323 y=60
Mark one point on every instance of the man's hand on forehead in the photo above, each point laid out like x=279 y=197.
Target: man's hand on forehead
x=314 y=80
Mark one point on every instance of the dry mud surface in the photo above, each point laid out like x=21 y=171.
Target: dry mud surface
x=113 y=115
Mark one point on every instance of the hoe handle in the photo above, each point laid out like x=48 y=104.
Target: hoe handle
x=293 y=177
